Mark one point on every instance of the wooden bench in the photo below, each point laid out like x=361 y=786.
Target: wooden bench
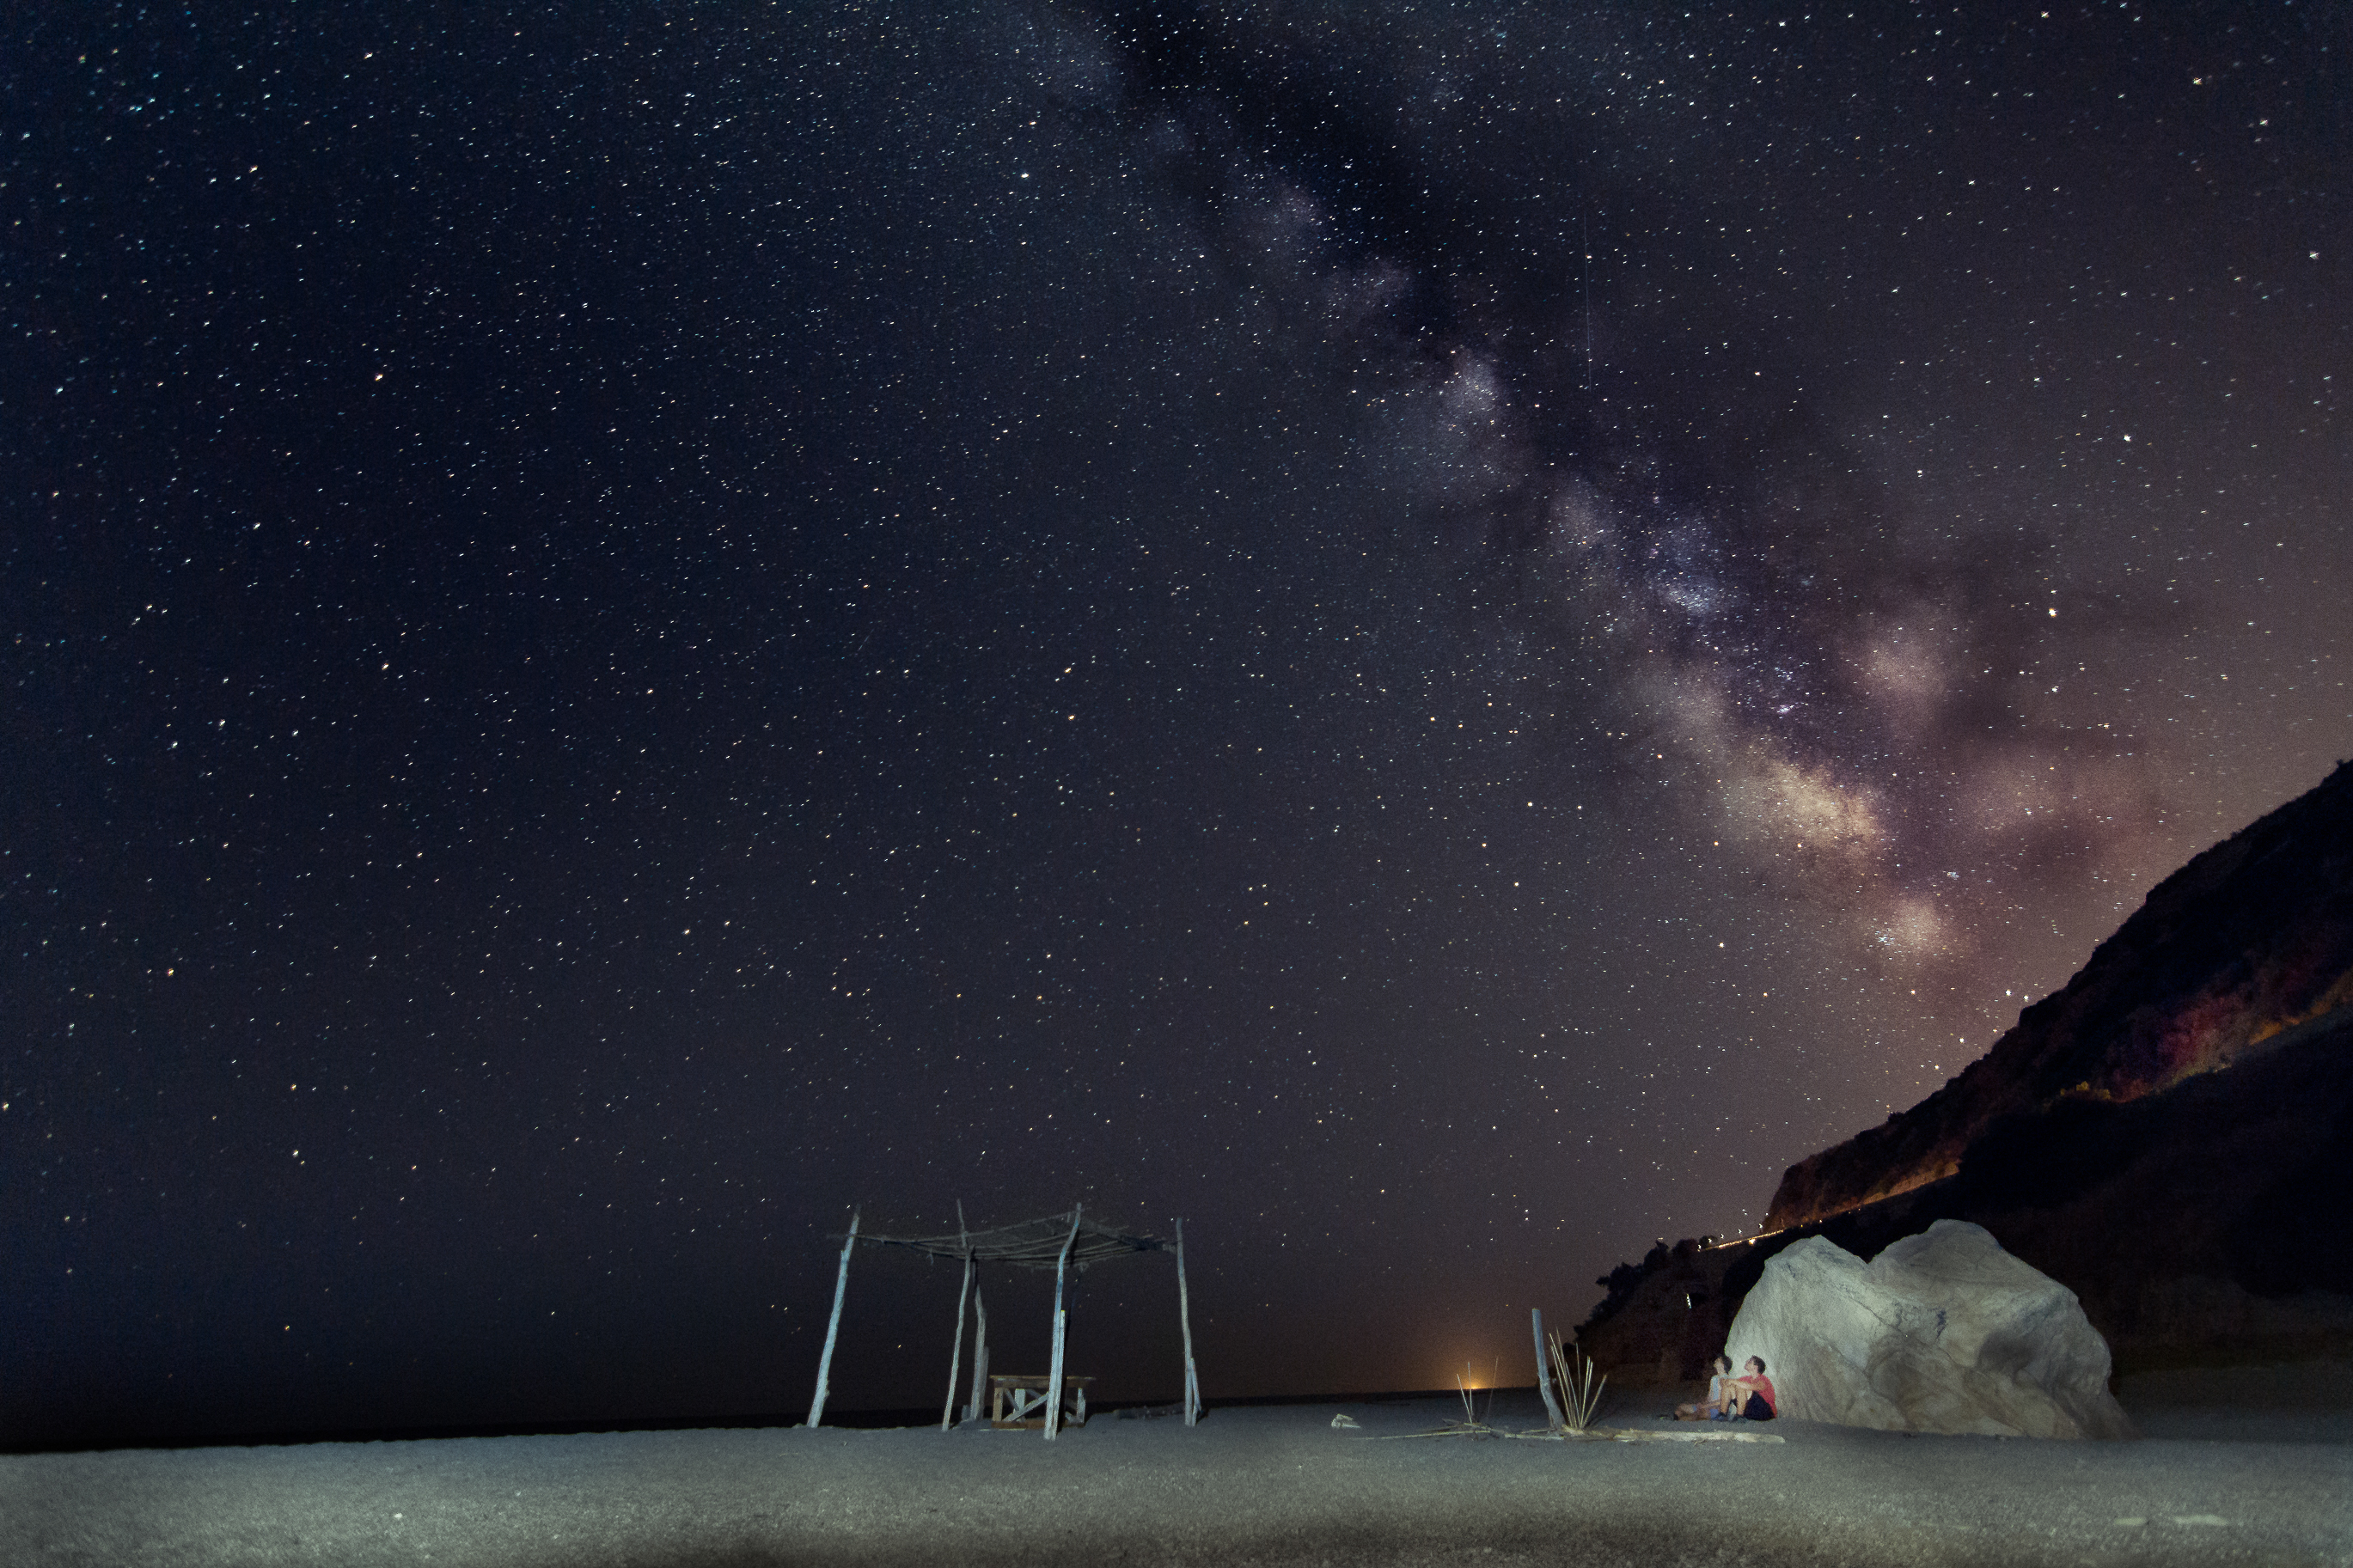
x=1026 y=1394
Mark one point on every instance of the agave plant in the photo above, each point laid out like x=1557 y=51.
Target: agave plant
x=1581 y=1391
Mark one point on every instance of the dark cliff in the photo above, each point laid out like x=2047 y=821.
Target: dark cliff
x=2250 y=939
x=2168 y=1136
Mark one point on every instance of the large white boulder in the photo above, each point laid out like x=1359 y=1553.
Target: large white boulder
x=1942 y=1331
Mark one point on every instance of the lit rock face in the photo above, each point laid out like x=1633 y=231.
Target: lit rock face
x=1942 y=1331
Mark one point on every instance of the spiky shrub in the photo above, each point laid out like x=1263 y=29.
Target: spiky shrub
x=1470 y=1392
x=1581 y=1391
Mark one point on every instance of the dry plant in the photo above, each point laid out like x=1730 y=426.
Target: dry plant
x=1470 y=1392
x=1580 y=1394
x=1471 y=1425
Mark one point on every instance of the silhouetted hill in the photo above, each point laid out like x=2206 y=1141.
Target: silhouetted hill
x=2168 y=1136
x=2253 y=937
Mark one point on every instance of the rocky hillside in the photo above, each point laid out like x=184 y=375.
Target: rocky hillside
x=2251 y=937
x=2168 y=1136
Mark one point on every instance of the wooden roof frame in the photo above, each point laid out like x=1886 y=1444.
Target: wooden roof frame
x=1061 y=1242
x=1040 y=1243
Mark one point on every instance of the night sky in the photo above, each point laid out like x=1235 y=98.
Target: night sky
x=1435 y=637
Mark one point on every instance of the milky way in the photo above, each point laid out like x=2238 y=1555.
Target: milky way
x=1850 y=692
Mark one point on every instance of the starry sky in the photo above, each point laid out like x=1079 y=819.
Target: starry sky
x=1434 y=636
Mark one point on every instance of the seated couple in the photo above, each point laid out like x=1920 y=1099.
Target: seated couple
x=1729 y=1398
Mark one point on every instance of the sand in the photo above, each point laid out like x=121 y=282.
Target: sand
x=2213 y=1481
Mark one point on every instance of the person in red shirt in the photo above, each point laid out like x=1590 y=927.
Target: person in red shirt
x=1750 y=1395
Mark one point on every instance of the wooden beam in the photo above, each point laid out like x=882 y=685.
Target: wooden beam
x=976 y=1409
x=833 y=1325
x=956 y=1356
x=1543 y=1368
x=1185 y=1317
x=1061 y=1271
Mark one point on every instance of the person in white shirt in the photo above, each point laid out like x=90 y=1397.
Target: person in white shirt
x=1720 y=1367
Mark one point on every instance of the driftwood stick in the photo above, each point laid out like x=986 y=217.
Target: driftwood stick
x=1054 y=1378
x=833 y=1325
x=956 y=1352
x=979 y=1349
x=956 y=1356
x=1544 y=1367
x=1185 y=1317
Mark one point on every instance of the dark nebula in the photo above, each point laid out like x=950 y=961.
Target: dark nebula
x=1436 y=638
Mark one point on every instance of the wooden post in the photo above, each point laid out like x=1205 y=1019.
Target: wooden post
x=1185 y=1317
x=1543 y=1371
x=1054 y=1378
x=977 y=1408
x=956 y=1356
x=833 y=1325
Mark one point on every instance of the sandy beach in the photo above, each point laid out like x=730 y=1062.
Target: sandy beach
x=2212 y=1480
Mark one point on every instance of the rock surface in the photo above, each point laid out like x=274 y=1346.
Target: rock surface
x=1942 y=1331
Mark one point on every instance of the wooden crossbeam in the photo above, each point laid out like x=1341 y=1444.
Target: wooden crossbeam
x=1020 y=1400
x=1046 y=1242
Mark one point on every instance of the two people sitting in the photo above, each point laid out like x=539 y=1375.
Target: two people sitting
x=1749 y=1397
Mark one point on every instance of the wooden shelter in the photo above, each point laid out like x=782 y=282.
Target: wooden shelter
x=1059 y=1242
